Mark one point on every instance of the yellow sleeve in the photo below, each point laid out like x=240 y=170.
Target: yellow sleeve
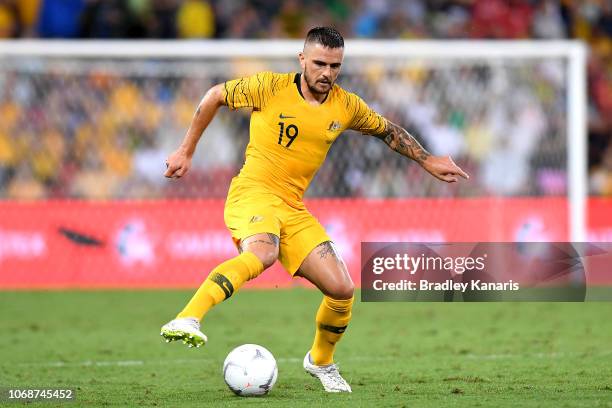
x=364 y=119
x=253 y=91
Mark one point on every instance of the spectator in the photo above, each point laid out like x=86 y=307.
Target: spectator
x=10 y=24
x=195 y=19
x=60 y=18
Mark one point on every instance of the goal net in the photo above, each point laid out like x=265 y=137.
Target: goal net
x=95 y=121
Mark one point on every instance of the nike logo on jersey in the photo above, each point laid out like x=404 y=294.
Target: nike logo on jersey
x=285 y=117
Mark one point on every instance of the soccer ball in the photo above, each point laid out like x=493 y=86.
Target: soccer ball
x=250 y=370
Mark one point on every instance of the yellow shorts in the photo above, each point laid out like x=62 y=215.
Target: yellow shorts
x=250 y=210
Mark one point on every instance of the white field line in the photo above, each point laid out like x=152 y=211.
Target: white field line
x=283 y=360
x=559 y=355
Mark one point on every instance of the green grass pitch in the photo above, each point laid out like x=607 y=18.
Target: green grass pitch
x=106 y=344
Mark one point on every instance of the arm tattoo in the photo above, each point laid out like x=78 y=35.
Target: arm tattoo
x=198 y=110
x=398 y=139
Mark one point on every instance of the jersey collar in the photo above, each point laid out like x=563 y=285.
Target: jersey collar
x=298 y=82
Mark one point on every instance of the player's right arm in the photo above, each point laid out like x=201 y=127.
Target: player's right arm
x=179 y=162
x=247 y=92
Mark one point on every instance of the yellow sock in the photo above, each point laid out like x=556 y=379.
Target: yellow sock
x=332 y=318
x=221 y=284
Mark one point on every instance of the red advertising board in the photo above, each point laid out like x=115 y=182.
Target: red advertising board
x=175 y=243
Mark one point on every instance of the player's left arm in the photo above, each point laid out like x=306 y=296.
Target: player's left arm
x=367 y=121
x=441 y=167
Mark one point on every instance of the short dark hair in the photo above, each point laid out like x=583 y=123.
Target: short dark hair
x=326 y=36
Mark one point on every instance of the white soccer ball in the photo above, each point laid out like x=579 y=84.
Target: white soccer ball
x=250 y=370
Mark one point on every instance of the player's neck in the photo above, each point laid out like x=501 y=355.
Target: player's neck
x=310 y=97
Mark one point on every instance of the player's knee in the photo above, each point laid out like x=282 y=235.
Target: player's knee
x=263 y=246
x=267 y=257
x=346 y=290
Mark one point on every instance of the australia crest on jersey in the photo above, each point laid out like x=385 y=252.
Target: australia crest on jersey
x=334 y=126
x=332 y=130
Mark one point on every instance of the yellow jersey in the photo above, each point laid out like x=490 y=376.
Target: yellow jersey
x=290 y=138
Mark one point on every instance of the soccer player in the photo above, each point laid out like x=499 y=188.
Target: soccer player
x=295 y=119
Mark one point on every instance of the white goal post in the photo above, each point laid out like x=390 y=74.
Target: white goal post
x=574 y=52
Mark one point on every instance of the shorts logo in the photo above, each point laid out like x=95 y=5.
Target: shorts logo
x=256 y=218
x=224 y=283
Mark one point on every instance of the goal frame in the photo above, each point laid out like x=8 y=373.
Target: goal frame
x=574 y=51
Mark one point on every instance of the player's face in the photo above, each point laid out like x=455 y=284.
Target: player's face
x=320 y=66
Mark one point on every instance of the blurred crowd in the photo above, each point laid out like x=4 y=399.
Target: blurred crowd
x=58 y=141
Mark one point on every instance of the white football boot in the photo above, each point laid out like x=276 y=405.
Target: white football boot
x=186 y=329
x=329 y=375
